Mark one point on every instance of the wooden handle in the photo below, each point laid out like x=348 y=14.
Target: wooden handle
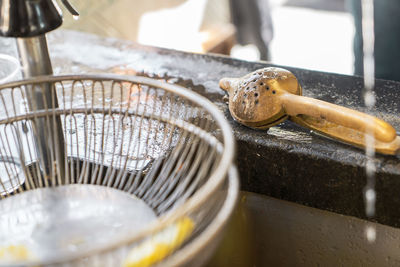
x=346 y=135
x=296 y=105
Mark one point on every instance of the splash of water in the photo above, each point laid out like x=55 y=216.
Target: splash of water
x=368 y=35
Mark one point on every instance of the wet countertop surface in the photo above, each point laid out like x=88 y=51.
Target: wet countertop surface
x=286 y=162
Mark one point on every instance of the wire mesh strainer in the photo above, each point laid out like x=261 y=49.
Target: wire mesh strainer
x=136 y=150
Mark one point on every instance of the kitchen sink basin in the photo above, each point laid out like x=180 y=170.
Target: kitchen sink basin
x=270 y=232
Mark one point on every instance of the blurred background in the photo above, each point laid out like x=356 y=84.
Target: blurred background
x=311 y=34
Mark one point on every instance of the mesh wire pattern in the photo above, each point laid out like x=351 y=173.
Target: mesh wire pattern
x=154 y=140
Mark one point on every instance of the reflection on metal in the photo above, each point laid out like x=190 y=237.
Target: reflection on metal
x=47 y=132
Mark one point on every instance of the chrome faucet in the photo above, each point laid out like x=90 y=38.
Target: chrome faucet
x=29 y=21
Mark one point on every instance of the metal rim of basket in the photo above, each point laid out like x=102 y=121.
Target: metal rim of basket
x=212 y=231
x=199 y=198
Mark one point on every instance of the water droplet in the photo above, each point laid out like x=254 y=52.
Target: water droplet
x=75 y=17
x=370 y=233
x=367 y=17
x=370 y=195
x=369 y=99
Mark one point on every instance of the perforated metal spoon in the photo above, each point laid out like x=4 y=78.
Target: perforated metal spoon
x=269 y=96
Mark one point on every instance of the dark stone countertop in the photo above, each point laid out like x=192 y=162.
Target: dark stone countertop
x=286 y=162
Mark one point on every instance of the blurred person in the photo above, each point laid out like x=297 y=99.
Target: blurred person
x=387 y=38
x=252 y=19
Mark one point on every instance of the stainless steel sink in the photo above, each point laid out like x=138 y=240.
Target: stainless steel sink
x=271 y=232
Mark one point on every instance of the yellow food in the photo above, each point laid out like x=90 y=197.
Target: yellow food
x=160 y=245
x=15 y=253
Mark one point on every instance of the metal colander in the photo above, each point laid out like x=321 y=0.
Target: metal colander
x=110 y=171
